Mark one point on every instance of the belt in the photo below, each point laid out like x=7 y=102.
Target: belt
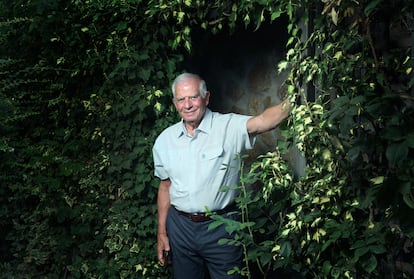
x=202 y=216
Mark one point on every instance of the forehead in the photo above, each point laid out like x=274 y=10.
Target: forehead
x=187 y=86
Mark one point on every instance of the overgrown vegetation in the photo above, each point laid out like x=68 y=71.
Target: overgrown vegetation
x=84 y=91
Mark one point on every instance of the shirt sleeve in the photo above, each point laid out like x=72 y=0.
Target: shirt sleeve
x=251 y=139
x=247 y=141
x=159 y=169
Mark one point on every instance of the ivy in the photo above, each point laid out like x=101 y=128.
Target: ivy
x=84 y=91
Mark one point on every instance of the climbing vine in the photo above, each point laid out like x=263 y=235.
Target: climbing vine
x=84 y=91
x=347 y=217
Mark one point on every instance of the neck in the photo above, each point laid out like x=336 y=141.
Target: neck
x=191 y=126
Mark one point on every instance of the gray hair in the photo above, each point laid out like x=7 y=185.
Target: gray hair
x=202 y=88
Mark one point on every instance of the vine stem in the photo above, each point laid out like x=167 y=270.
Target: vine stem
x=245 y=219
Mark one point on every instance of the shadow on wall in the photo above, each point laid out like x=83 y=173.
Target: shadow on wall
x=240 y=68
x=241 y=73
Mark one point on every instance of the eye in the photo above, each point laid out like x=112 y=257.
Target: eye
x=190 y=98
x=180 y=100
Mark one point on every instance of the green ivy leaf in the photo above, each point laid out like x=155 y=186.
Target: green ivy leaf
x=396 y=153
x=407 y=192
x=276 y=14
x=286 y=249
x=378 y=249
x=370 y=265
x=327 y=266
x=371 y=7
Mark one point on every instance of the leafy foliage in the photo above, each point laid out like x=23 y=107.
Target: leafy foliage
x=84 y=92
x=348 y=216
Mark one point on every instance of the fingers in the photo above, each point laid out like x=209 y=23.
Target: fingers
x=160 y=257
x=167 y=257
x=163 y=246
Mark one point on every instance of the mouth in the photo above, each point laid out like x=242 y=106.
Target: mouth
x=189 y=112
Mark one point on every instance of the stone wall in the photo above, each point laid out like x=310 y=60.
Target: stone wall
x=241 y=74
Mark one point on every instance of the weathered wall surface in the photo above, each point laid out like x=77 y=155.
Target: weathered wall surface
x=241 y=74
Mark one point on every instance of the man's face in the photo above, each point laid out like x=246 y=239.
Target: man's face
x=188 y=101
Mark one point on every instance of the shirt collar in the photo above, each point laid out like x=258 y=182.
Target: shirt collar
x=205 y=125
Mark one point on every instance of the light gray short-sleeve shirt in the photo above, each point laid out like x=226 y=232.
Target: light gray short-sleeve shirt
x=200 y=166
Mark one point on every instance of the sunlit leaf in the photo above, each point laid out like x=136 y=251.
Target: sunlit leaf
x=334 y=16
x=377 y=180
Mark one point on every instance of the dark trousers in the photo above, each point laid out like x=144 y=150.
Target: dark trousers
x=195 y=250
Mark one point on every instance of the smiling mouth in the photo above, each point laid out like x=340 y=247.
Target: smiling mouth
x=190 y=112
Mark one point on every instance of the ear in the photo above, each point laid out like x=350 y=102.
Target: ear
x=207 y=98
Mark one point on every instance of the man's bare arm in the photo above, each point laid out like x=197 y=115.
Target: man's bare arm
x=269 y=119
x=163 y=205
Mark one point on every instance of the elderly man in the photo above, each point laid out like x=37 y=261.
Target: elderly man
x=194 y=159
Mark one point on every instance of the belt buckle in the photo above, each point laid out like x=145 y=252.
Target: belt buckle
x=198 y=217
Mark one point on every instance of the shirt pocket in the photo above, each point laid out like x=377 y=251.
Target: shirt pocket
x=211 y=152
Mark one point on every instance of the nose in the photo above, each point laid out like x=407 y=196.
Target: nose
x=188 y=103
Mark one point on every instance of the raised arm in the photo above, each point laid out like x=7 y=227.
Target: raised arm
x=269 y=119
